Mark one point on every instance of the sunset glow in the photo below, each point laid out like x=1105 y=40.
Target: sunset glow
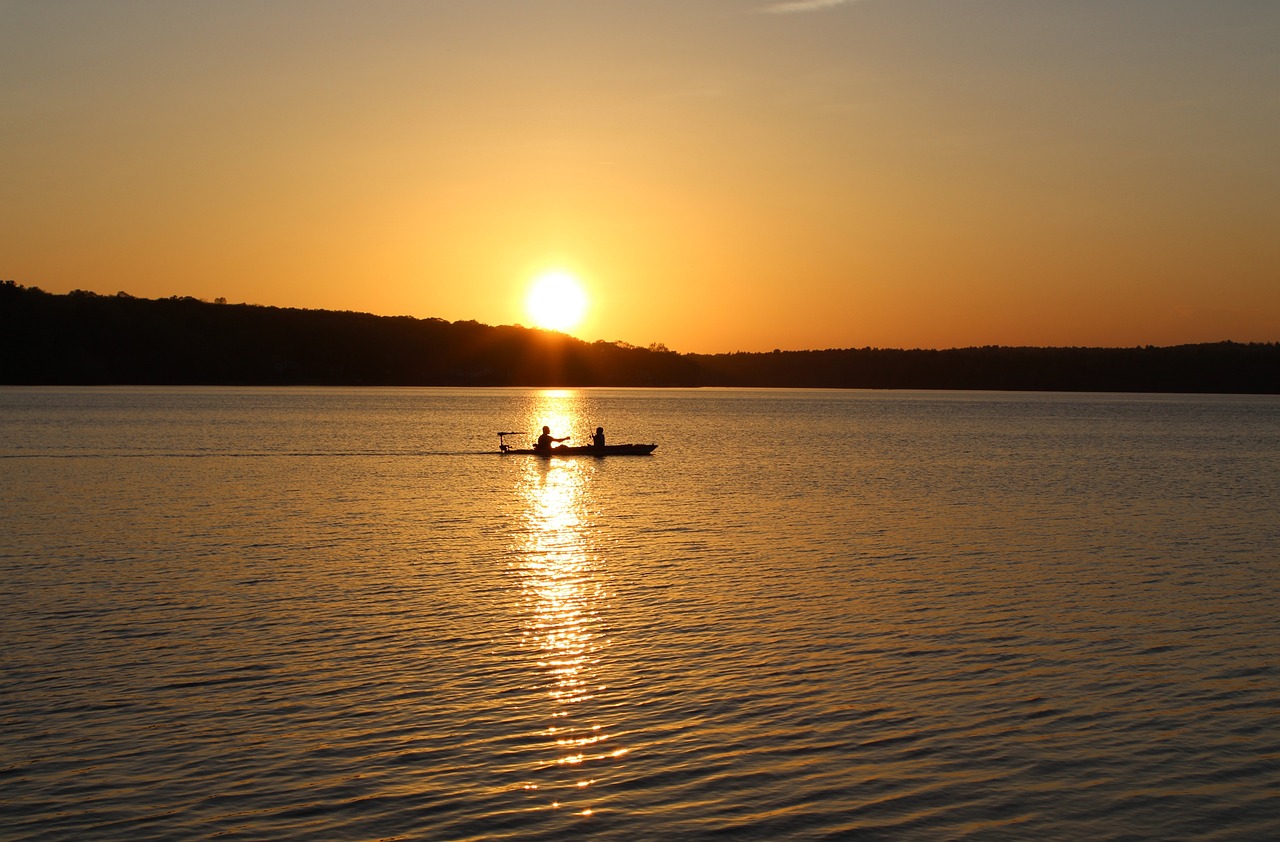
x=556 y=301
x=746 y=175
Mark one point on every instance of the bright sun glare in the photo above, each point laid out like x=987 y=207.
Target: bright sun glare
x=556 y=300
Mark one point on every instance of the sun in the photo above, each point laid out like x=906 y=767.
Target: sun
x=556 y=300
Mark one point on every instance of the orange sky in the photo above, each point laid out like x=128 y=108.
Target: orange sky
x=721 y=175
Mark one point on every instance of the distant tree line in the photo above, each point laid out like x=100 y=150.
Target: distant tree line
x=90 y=339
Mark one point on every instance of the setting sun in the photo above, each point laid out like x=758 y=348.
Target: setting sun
x=556 y=301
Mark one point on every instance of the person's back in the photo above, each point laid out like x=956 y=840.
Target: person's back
x=544 y=441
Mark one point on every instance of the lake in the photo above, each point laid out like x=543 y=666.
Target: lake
x=339 y=614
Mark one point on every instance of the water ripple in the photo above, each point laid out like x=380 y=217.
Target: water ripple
x=955 y=631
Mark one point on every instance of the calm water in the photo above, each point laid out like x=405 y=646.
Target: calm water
x=338 y=614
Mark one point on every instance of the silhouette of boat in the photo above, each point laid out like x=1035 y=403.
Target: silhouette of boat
x=588 y=450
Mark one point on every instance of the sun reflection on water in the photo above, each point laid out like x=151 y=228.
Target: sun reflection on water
x=563 y=593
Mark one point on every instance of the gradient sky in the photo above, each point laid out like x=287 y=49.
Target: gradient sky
x=722 y=174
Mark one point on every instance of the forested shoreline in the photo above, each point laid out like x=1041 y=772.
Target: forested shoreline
x=83 y=338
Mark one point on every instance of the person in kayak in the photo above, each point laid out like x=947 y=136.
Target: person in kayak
x=545 y=440
x=597 y=440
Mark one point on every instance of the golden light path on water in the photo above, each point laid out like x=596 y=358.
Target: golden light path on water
x=563 y=594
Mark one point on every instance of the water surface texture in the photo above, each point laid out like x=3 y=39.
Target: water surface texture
x=339 y=614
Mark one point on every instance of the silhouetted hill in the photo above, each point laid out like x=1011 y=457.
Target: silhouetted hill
x=85 y=338
x=1216 y=367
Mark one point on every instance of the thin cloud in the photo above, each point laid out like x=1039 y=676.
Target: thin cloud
x=793 y=6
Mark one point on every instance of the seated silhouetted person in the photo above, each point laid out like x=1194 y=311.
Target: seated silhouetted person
x=597 y=440
x=545 y=440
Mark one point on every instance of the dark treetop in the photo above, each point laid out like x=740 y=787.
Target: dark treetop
x=85 y=338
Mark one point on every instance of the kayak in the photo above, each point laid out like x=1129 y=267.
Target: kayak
x=607 y=450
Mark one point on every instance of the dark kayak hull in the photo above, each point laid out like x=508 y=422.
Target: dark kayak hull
x=607 y=450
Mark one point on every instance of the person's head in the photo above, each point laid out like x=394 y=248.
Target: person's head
x=599 y=429
x=546 y=429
